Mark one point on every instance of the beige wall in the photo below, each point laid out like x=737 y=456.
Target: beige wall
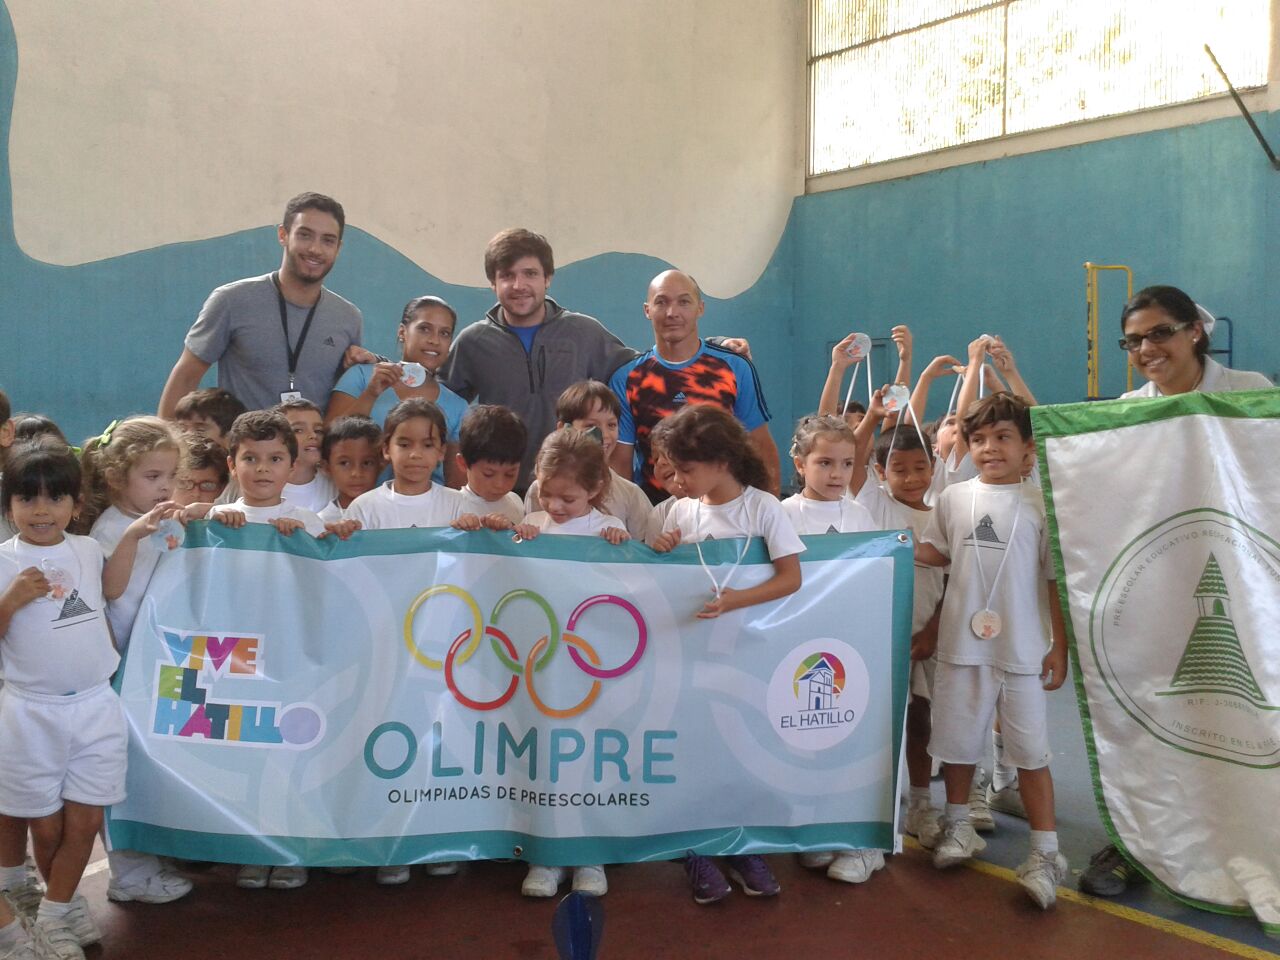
x=665 y=127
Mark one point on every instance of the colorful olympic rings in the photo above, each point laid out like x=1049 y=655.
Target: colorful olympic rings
x=475 y=632
x=511 y=662
x=496 y=637
x=643 y=640
x=580 y=707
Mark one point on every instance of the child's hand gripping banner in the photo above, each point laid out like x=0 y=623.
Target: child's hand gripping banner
x=415 y=695
x=1165 y=517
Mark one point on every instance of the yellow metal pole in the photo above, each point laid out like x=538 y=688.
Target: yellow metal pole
x=1093 y=327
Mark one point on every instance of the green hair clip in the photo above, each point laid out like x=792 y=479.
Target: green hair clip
x=106 y=434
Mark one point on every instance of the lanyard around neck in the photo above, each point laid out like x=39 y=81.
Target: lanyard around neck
x=977 y=546
x=293 y=352
x=719 y=586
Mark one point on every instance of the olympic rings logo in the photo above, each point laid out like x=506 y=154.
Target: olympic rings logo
x=465 y=645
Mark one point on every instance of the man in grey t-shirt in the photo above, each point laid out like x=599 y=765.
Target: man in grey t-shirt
x=278 y=334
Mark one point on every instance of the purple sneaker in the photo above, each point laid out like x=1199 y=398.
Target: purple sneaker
x=708 y=883
x=755 y=876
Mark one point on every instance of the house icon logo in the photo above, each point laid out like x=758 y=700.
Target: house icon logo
x=818 y=694
x=819 y=681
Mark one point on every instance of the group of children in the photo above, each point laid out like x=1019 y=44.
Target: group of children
x=987 y=634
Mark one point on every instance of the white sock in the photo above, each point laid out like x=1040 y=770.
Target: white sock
x=1002 y=774
x=919 y=797
x=956 y=812
x=52 y=910
x=11 y=935
x=11 y=877
x=1044 y=841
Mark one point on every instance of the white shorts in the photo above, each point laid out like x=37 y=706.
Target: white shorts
x=54 y=749
x=922 y=678
x=965 y=699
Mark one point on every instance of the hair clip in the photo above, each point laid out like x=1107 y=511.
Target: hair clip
x=106 y=434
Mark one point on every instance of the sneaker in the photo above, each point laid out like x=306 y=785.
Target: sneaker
x=54 y=940
x=590 y=880
x=1108 y=874
x=163 y=886
x=25 y=897
x=392 y=876
x=754 y=876
x=979 y=812
x=253 y=876
x=1040 y=875
x=708 y=883
x=446 y=868
x=287 y=878
x=542 y=881
x=958 y=843
x=817 y=859
x=24 y=949
x=925 y=824
x=81 y=922
x=1007 y=800
x=856 y=866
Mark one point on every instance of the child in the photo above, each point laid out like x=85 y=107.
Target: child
x=208 y=413
x=353 y=457
x=63 y=735
x=308 y=486
x=425 y=336
x=128 y=471
x=573 y=479
x=202 y=470
x=722 y=476
x=991 y=638
x=831 y=402
x=588 y=406
x=665 y=475
x=413 y=443
x=824 y=452
x=896 y=497
x=490 y=451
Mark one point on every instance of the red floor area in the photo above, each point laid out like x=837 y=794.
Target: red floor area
x=909 y=910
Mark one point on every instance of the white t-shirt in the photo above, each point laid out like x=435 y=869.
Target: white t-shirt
x=974 y=522
x=58 y=646
x=332 y=513
x=1216 y=379
x=284 y=508
x=811 y=517
x=314 y=495
x=890 y=514
x=754 y=514
x=625 y=500
x=588 y=525
x=108 y=530
x=660 y=512
x=508 y=505
x=384 y=509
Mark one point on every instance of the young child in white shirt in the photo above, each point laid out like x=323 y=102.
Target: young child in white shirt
x=309 y=486
x=1001 y=639
x=589 y=406
x=63 y=735
x=352 y=452
x=723 y=480
x=491 y=444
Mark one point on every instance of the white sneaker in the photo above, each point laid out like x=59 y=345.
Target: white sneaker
x=25 y=897
x=1040 y=875
x=542 y=881
x=253 y=876
x=392 y=876
x=162 y=886
x=287 y=878
x=817 y=859
x=979 y=812
x=958 y=843
x=446 y=868
x=54 y=940
x=81 y=922
x=925 y=824
x=1007 y=800
x=856 y=866
x=590 y=880
x=22 y=950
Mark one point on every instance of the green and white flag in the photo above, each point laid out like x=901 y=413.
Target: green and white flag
x=1165 y=518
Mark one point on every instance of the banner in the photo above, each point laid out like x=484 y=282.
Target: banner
x=1165 y=518
x=414 y=695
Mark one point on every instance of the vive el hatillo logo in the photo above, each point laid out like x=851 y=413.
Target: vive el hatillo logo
x=818 y=694
x=1178 y=630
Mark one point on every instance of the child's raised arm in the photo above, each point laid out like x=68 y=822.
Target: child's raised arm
x=118 y=568
x=969 y=390
x=1002 y=357
x=901 y=337
x=785 y=581
x=864 y=441
x=829 y=402
x=938 y=367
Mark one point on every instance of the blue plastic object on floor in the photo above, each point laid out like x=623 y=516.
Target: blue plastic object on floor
x=578 y=926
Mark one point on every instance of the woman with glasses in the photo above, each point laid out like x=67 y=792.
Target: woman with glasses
x=1166 y=335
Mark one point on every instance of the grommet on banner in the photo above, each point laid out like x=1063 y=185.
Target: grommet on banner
x=903 y=538
x=517 y=850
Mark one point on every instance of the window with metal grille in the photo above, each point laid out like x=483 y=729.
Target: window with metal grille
x=896 y=78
